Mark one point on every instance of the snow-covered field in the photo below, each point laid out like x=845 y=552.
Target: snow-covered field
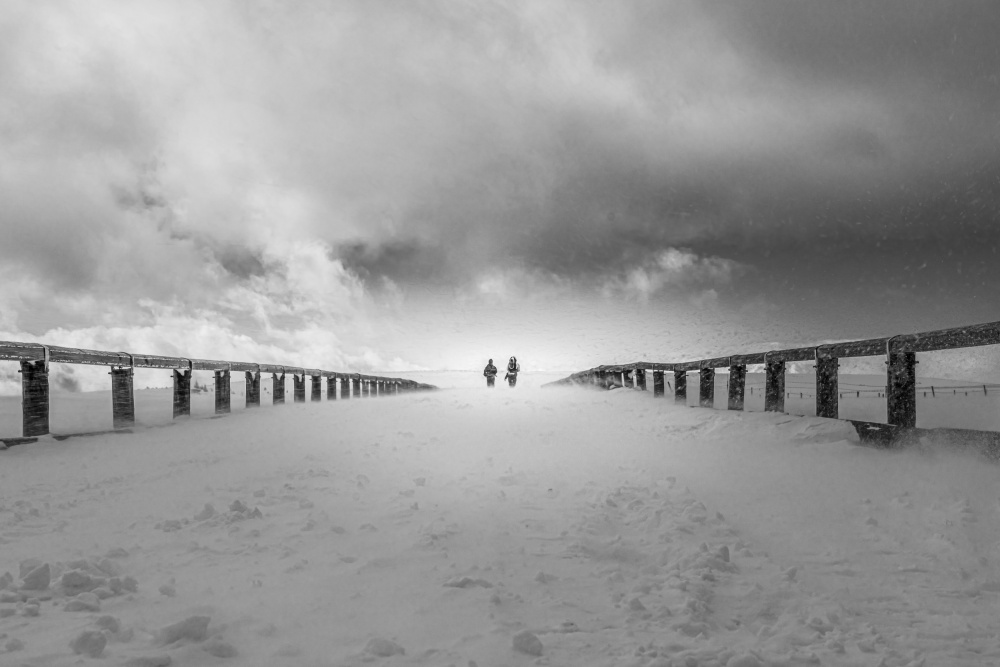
x=558 y=526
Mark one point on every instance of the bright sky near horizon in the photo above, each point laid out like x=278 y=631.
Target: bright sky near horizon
x=385 y=186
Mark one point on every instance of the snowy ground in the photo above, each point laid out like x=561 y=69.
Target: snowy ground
x=473 y=527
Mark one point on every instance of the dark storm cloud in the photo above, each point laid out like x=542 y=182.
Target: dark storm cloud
x=241 y=262
x=747 y=128
x=395 y=260
x=893 y=44
x=431 y=140
x=266 y=159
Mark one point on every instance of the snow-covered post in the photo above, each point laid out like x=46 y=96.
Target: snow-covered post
x=827 y=403
x=298 y=388
x=331 y=388
x=737 y=386
x=706 y=387
x=278 y=388
x=657 y=384
x=122 y=400
x=253 y=389
x=901 y=387
x=317 y=388
x=221 y=392
x=680 y=387
x=34 y=398
x=182 y=393
x=640 y=378
x=774 y=385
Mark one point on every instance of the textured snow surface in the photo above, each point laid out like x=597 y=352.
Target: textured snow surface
x=469 y=527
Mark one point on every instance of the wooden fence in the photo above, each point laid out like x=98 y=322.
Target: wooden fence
x=900 y=388
x=35 y=359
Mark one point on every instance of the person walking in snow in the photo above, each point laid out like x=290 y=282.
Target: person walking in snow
x=491 y=373
x=513 y=368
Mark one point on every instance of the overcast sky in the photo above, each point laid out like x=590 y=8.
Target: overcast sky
x=386 y=185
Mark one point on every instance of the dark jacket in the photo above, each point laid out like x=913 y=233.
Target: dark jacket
x=490 y=371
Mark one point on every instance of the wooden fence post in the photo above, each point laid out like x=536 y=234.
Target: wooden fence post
x=901 y=388
x=122 y=400
x=640 y=378
x=222 y=397
x=331 y=388
x=253 y=389
x=298 y=388
x=278 y=388
x=34 y=398
x=827 y=387
x=706 y=387
x=680 y=387
x=182 y=393
x=737 y=386
x=657 y=384
x=317 y=388
x=774 y=385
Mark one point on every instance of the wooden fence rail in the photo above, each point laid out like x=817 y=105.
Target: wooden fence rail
x=35 y=359
x=900 y=389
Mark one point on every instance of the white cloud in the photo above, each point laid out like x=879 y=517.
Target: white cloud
x=521 y=284
x=674 y=269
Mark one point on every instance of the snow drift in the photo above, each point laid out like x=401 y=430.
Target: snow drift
x=497 y=527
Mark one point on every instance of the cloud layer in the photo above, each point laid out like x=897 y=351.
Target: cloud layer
x=308 y=178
